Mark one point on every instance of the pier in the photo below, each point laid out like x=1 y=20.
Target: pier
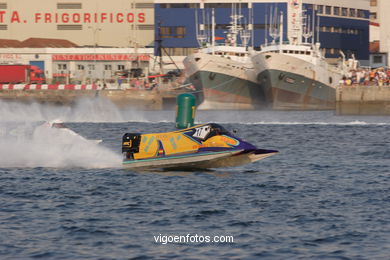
x=122 y=98
x=363 y=100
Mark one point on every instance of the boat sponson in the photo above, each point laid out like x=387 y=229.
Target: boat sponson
x=196 y=160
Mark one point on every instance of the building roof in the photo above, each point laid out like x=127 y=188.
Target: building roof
x=5 y=43
x=47 y=43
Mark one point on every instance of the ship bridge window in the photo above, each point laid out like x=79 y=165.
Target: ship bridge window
x=308 y=53
x=284 y=51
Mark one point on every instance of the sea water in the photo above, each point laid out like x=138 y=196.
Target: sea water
x=326 y=195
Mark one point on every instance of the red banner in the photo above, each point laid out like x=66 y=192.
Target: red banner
x=100 y=57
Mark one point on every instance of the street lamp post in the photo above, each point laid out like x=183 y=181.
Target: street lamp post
x=95 y=30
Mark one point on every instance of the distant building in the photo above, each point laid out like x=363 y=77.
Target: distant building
x=65 y=62
x=379 y=33
x=340 y=25
x=113 y=23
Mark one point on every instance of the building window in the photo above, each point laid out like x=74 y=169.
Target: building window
x=360 y=13
x=179 y=5
x=61 y=66
x=108 y=67
x=91 y=67
x=377 y=59
x=224 y=5
x=352 y=12
x=336 y=10
x=373 y=2
x=80 y=67
x=180 y=32
x=121 y=67
x=328 y=9
x=344 y=11
x=144 y=5
x=309 y=6
x=172 y=31
x=337 y=30
x=69 y=27
x=69 y=6
x=143 y=27
x=3 y=5
x=320 y=9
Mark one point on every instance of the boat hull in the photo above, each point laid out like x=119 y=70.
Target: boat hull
x=224 y=84
x=224 y=92
x=293 y=83
x=291 y=91
x=201 y=161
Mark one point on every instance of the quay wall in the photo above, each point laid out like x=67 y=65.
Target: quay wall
x=363 y=100
x=69 y=94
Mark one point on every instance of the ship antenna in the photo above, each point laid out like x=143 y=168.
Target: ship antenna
x=281 y=32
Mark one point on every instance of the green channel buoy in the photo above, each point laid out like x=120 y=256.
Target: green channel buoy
x=185 y=110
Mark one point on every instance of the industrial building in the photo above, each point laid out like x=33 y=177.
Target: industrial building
x=338 y=24
x=100 y=30
x=114 y=23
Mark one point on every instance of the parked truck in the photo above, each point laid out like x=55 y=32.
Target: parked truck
x=21 y=73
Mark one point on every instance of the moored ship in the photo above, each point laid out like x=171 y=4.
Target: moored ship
x=294 y=74
x=223 y=75
x=225 y=79
x=297 y=77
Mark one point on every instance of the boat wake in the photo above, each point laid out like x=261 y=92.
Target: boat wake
x=27 y=146
x=94 y=110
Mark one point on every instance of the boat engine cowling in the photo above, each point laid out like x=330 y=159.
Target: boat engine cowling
x=130 y=144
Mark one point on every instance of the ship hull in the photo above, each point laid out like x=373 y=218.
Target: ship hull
x=224 y=84
x=291 y=91
x=295 y=84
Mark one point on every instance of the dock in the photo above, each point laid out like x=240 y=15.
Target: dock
x=363 y=100
x=140 y=99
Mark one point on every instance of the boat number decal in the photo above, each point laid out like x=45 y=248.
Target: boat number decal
x=202 y=132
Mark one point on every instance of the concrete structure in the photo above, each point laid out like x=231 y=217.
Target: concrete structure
x=116 y=23
x=363 y=100
x=340 y=24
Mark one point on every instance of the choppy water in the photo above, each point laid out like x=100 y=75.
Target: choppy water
x=326 y=195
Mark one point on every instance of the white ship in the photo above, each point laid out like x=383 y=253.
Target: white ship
x=223 y=75
x=295 y=75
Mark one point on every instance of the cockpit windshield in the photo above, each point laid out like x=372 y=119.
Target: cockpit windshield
x=218 y=129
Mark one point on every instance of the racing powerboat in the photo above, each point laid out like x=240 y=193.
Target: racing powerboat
x=199 y=147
